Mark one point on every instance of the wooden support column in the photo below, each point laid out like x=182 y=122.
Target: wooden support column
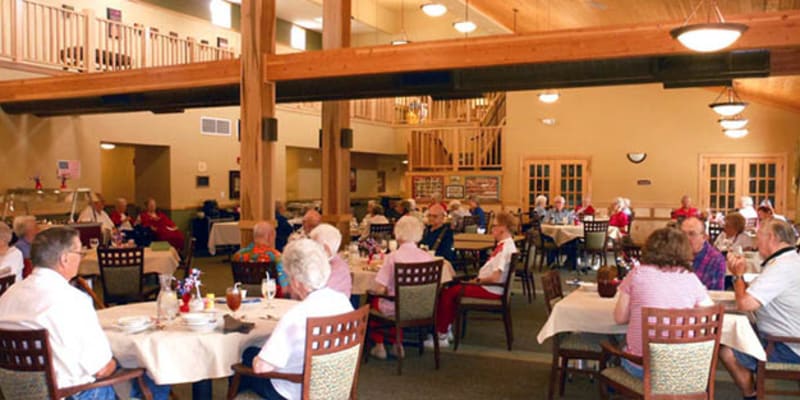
x=336 y=118
x=257 y=104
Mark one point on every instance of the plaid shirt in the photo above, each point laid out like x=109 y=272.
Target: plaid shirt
x=709 y=265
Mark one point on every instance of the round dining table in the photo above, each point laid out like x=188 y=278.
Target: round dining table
x=161 y=262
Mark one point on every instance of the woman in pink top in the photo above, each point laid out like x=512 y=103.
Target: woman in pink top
x=663 y=280
x=408 y=232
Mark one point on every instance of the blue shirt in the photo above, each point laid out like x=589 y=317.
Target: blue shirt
x=24 y=247
x=478 y=212
x=282 y=232
x=445 y=249
x=554 y=216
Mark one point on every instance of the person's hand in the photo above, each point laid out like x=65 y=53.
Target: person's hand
x=736 y=263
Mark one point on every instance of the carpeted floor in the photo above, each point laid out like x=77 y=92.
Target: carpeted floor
x=481 y=369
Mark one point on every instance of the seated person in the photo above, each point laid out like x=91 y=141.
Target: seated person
x=284 y=229
x=10 y=256
x=617 y=216
x=438 y=236
x=746 y=208
x=495 y=270
x=411 y=206
x=308 y=269
x=732 y=235
x=436 y=198
x=774 y=296
x=95 y=212
x=364 y=225
x=765 y=210
x=396 y=210
x=46 y=300
x=330 y=239
x=408 y=231
x=558 y=215
x=663 y=280
x=708 y=263
x=457 y=214
x=585 y=208
x=120 y=216
x=686 y=210
x=262 y=250
x=627 y=210
x=25 y=228
x=476 y=210
x=311 y=219
x=539 y=210
x=376 y=218
x=162 y=226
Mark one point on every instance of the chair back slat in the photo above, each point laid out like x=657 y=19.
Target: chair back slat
x=188 y=255
x=551 y=284
x=713 y=232
x=121 y=272
x=6 y=282
x=381 y=231
x=512 y=267
x=417 y=289
x=333 y=349
x=26 y=370
x=680 y=349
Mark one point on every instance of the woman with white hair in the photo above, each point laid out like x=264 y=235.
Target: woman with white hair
x=330 y=238
x=747 y=210
x=307 y=265
x=408 y=231
x=10 y=256
x=25 y=229
x=539 y=207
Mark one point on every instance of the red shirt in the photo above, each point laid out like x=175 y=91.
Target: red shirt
x=620 y=220
x=588 y=210
x=682 y=212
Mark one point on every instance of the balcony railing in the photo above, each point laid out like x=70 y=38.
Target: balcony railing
x=48 y=36
x=456 y=149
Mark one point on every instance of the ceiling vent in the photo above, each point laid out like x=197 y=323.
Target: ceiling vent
x=215 y=126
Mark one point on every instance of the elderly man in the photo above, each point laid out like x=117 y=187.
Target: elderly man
x=774 y=296
x=746 y=208
x=311 y=219
x=95 y=212
x=46 y=300
x=119 y=216
x=262 y=250
x=25 y=229
x=558 y=214
x=686 y=210
x=438 y=236
x=307 y=266
x=330 y=238
x=709 y=263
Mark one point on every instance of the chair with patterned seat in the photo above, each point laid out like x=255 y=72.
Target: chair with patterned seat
x=568 y=345
x=595 y=240
x=772 y=370
x=524 y=273
x=6 y=282
x=122 y=275
x=415 y=301
x=26 y=369
x=680 y=348
x=332 y=358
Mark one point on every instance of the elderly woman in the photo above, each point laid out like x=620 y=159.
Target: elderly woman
x=163 y=227
x=408 y=231
x=539 y=207
x=330 y=238
x=494 y=271
x=663 y=280
x=617 y=216
x=25 y=229
x=733 y=235
x=376 y=218
x=307 y=265
x=10 y=256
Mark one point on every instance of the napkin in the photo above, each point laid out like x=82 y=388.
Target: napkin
x=235 y=325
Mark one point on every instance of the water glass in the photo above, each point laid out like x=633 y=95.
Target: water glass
x=94 y=243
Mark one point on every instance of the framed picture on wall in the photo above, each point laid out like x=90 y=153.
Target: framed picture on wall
x=381 y=181
x=115 y=15
x=353 y=180
x=234 y=184
x=454 y=191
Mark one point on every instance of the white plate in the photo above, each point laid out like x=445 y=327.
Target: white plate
x=198 y=318
x=133 y=321
x=203 y=328
x=135 y=329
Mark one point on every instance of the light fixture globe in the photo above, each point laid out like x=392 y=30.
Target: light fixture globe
x=433 y=9
x=464 y=26
x=708 y=37
x=735 y=133
x=733 y=123
x=399 y=42
x=549 y=97
x=728 y=109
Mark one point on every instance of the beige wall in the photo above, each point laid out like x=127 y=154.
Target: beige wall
x=117 y=173
x=672 y=126
x=152 y=165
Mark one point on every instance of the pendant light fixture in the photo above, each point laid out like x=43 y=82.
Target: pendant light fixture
x=549 y=96
x=403 y=39
x=433 y=9
x=465 y=26
x=734 y=105
x=735 y=133
x=713 y=35
x=733 y=123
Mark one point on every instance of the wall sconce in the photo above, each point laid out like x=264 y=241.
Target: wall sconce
x=636 y=158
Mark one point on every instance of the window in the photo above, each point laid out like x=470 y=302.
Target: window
x=568 y=178
x=725 y=179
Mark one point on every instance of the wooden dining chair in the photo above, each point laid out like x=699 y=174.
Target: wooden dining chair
x=6 y=282
x=595 y=240
x=381 y=231
x=83 y=285
x=27 y=268
x=496 y=306
x=679 y=358
x=567 y=345
x=122 y=275
x=250 y=274
x=541 y=245
x=779 y=371
x=524 y=273
x=332 y=353
x=713 y=232
x=26 y=369
x=415 y=301
x=187 y=255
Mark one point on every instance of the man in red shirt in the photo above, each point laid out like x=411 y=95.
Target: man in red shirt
x=686 y=210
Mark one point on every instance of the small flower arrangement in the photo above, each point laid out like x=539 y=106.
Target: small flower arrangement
x=369 y=246
x=189 y=286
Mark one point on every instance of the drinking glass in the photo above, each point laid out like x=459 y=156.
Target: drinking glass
x=94 y=243
x=233 y=297
x=269 y=288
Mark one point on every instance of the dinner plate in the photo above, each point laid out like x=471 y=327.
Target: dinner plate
x=136 y=328
x=202 y=328
x=133 y=321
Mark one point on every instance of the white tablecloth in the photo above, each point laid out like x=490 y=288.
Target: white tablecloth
x=364 y=278
x=585 y=311
x=224 y=234
x=562 y=234
x=177 y=355
x=162 y=262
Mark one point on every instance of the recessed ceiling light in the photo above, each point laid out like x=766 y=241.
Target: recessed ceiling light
x=549 y=97
x=433 y=9
x=108 y=146
x=548 y=121
x=405 y=162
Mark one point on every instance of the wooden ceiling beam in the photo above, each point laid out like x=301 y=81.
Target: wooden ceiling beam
x=766 y=31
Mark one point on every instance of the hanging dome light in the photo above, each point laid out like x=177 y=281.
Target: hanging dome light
x=403 y=39
x=433 y=9
x=735 y=133
x=734 y=105
x=465 y=26
x=709 y=36
x=733 y=123
x=549 y=97
x=107 y=146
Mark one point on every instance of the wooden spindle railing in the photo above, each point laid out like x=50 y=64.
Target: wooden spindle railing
x=459 y=148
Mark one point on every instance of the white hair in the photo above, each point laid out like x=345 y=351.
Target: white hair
x=21 y=224
x=305 y=262
x=328 y=236
x=412 y=204
x=747 y=201
x=454 y=205
x=541 y=201
x=5 y=233
x=408 y=229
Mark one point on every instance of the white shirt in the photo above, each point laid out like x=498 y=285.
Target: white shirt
x=286 y=347
x=498 y=262
x=13 y=259
x=748 y=212
x=46 y=300
x=777 y=288
x=89 y=214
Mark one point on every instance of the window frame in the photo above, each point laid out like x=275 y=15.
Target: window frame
x=742 y=162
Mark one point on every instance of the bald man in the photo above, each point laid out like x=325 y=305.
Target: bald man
x=438 y=236
x=311 y=219
x=263 y=250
